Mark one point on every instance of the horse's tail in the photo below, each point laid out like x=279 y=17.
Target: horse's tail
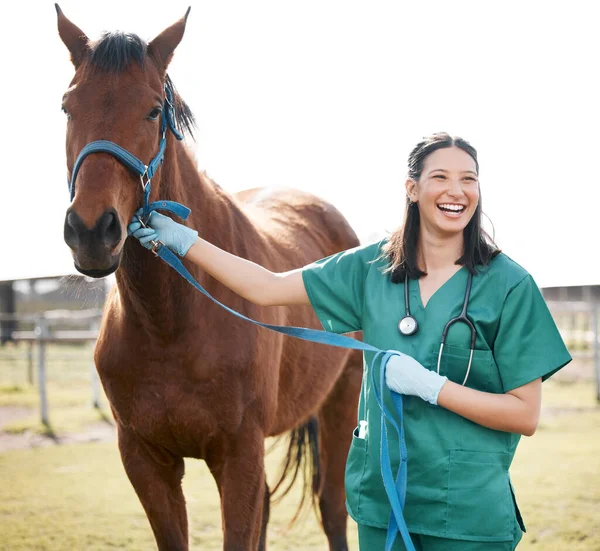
x=302 y=455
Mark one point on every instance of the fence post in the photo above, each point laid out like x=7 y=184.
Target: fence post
x=30 y=347
x=41 y=333
x=595 y=316
x=94 y=372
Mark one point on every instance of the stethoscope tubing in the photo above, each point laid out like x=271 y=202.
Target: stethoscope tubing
x=461 y=318
x=468 y=367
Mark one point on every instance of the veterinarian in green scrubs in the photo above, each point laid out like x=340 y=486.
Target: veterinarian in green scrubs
x=465 y=408
x=458 y=482
x=459 y=493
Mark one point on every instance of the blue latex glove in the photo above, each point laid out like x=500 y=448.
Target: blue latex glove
x=177 y=237
x=405 y=375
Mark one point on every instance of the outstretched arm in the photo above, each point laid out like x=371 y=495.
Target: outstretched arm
x=248 y=279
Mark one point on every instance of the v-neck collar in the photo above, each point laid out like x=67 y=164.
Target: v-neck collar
x=416 y=288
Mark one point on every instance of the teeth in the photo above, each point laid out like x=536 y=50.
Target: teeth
x=453 y=208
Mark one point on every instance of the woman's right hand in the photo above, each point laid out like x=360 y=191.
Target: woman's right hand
x=162 y=228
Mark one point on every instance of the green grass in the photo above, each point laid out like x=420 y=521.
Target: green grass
x=557 y=474
x=77 y=497
x=68 y=389
x=59 y=395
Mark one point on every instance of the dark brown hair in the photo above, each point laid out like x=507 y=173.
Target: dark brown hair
x=401 y=248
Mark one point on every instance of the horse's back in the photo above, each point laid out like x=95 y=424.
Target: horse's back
x=297 y=224
x=301 y=228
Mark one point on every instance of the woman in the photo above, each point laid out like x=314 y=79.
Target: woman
x=465 y=410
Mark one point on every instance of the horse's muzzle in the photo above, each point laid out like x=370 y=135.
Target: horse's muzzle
x=94 y=249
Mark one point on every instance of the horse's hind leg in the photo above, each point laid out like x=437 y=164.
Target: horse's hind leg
x=337 y=419
x=156 y=477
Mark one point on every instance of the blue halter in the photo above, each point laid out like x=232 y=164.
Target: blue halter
x=145 y=172
x=395 y=489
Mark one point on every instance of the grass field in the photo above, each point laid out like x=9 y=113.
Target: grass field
x=77 y=497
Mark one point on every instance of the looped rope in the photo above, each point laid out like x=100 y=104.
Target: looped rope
x=395 y=490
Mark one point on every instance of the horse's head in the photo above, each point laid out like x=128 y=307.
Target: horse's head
x=117 y=95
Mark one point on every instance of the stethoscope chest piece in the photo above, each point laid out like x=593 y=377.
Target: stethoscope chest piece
x=408 y=326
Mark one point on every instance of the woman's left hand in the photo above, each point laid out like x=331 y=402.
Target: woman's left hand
x=405 y=375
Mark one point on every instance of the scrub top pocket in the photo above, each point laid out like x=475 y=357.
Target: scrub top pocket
x=480 y=504
x=355 y=468
x=455 y=362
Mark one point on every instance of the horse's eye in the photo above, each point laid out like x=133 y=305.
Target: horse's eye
x=64 y=110
x=154 y=114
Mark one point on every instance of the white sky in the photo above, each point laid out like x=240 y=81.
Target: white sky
x=330 y=97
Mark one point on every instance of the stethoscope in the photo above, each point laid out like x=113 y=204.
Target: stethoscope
x=408 y=325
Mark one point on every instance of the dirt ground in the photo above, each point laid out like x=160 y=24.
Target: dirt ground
x=97 y=432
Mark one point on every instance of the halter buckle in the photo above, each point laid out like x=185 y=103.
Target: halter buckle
x=145 y=175
x=156 y=245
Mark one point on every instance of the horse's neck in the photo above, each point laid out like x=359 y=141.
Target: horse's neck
x=215 y=215
x=150 y=290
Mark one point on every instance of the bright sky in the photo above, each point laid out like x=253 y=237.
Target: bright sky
x=330 y=97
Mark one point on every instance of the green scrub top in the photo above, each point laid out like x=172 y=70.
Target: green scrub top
x=458 y=481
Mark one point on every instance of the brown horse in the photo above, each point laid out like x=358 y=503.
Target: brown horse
x=184 y=377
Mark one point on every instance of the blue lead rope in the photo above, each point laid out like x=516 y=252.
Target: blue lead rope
x=396 y=491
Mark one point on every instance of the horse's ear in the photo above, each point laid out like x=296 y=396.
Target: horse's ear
x=163 y=46
x=73 y=37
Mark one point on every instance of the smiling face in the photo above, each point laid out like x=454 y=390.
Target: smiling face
x=447 y=192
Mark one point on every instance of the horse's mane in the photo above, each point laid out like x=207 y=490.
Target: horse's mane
x=115 y=51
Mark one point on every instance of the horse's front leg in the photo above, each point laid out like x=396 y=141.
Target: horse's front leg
x=242 y=488
x=156 y=477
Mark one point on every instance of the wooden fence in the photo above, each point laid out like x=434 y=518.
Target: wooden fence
x=43 y=330
x=578 y=323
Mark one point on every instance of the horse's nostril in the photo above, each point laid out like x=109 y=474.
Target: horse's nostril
x=109 y=229
x=105 y=222
x=73 y=219
x=71 y=229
